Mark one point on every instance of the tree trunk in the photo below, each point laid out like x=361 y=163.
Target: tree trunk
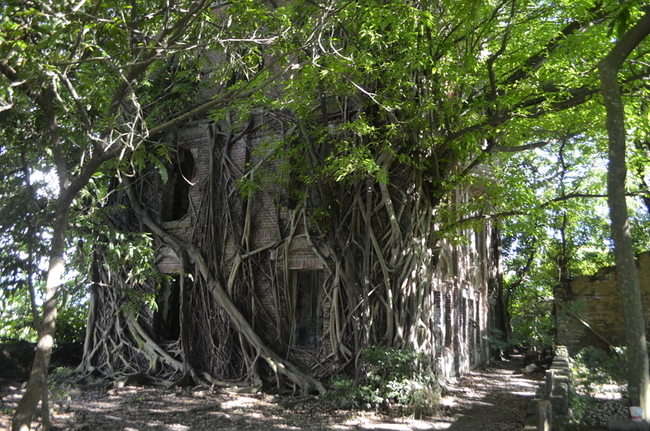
x=37 y=384
x=86 y=364
x=635 y=336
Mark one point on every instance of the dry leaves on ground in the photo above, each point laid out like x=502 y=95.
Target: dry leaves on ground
x=494 y=398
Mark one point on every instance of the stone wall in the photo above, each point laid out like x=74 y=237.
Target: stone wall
x=551 y=403
x=588 y=310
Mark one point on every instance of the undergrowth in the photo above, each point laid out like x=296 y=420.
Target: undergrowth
x=60 y=381
x=591 y=368
x=389 y=379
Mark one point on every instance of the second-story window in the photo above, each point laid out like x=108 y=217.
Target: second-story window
x=176 y=196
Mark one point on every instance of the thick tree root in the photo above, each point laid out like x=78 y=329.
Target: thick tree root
x=280 y=366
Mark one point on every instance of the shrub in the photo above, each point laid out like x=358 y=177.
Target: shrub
x=591 y=367
x=60 y=381
x=389 y=379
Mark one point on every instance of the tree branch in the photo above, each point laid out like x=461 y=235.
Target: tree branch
x=519 y=148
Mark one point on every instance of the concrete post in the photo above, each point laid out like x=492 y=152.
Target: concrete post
x=550 y=380
x=544 y=416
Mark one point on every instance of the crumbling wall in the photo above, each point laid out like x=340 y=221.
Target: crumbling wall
x=447 y=294
x=588 y=310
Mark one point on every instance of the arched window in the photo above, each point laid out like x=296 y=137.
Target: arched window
x=308 y=286
x=175 y=199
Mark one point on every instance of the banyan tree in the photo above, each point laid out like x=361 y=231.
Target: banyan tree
x=260 y=190
x=345 y=203
x=272 y=271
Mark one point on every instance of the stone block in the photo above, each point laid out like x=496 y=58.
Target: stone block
x=560 y=405
x=560 y=390
x=560 y=364
x=560 y=378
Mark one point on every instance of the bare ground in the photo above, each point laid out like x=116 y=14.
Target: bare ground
x=493 y=398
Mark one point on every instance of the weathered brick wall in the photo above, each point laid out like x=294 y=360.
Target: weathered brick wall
x=195 y=140
x=451 y=320
x=460 y=305
x=596 y=301
x=269 y=223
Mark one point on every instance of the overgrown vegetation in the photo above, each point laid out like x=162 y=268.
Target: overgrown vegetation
x=17 y=323
x=591 y=368
x=387 y=111
x=389 y=379
x=60 y=381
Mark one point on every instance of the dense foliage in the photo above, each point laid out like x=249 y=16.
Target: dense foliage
x=383 y=111
x=591 y=369
x=392 y=380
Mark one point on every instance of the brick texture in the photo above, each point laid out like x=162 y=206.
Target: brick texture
x=595 y=300
x=453 y=324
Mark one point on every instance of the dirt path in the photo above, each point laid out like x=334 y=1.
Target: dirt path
x=494 y=398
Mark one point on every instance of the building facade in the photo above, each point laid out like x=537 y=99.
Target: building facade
x=441 y=307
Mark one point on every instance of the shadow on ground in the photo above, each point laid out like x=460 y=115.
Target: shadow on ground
x=494 y=398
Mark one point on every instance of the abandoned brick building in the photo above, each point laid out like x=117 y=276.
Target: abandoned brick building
x=588 y=309
x=447 y=298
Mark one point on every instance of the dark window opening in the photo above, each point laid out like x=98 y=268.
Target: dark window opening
x=455 y=262
x=462 y=315
x=472 y=324
x=448 y=320
x=437 y=316
x=175 y=202
x=167 y=324
x=308 y=286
